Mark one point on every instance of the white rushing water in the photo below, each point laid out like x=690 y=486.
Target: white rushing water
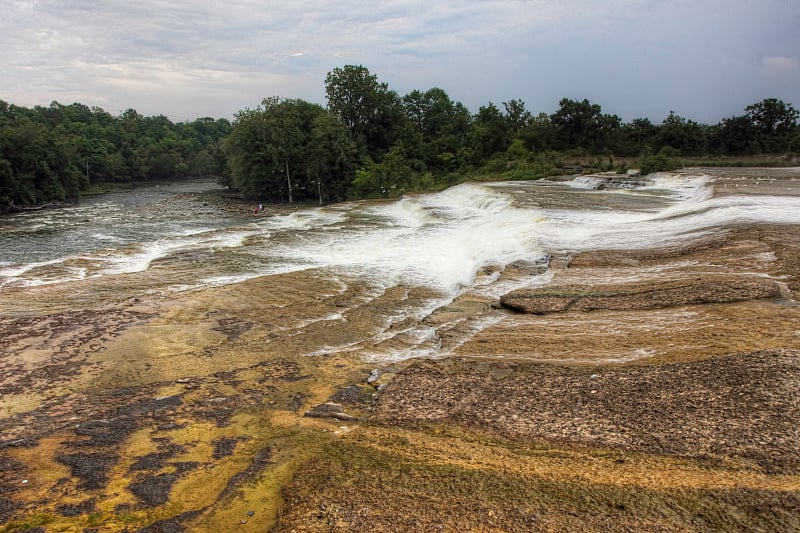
x=439 y=240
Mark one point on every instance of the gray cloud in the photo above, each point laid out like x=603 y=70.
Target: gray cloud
x=704 y=59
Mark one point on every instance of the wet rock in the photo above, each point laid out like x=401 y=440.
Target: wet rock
x=76 y=509
x=261 y=459
x=170 y=525
x=640 y=296
x=154 y=490
x=329 y=410
x=532 y=268
x=148 y=405
x=223 y=447
x=292 y=379
x=353 y=395
x=105 y=432
x=234 y=327
x=91 y=468
x=156 y=460
x=181 y=467
x=9 y=470
x=19 y=443
x=7 y=507
x=296 y=401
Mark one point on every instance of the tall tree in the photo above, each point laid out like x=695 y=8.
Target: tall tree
x=635 y=136
x=490 y=133
x=517 y=115
x=583 y=125
x=440 y=125
x=539 y=134
x=574 y=120
x=283 y=120
x=371 y=112
x=686 y=136
x=774 y=121
x=331 y=158
x=735 y=136
x=290 y=149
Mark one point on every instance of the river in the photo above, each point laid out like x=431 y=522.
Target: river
x=162 y=240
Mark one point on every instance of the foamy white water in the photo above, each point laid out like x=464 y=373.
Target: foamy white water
x=440 y=240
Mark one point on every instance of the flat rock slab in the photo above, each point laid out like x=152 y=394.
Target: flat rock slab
x=741 y=405
x=637 y=296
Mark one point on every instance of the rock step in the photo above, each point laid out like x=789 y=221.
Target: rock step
x=635 y=296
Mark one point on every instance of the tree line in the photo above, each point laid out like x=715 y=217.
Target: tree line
x=367 y=142
x=51 y=154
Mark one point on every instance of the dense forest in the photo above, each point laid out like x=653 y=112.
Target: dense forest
x=52 y=154
x=368 y=142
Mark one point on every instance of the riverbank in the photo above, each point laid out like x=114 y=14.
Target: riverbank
x=185 y=411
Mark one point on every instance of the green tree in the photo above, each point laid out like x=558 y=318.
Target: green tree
x=331 y=158
x=490 y=134
x=371 y=112
x=35 y=165
x=391 y=177
x=439 y=128
x=539 y=134
x=583 y=125
x=686 y=136
x=518 y=117
x=774 y=121
x=289 y=149
x=52 y=153
x=662 y=161
x=574 y=121
x=286 y=137
x=635 y=136
x=735 y=136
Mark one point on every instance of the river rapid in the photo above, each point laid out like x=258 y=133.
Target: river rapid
x=393 y=261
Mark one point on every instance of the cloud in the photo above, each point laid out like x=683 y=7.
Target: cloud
x=635 y=57
x=779 y=65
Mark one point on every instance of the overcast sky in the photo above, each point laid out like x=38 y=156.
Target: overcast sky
x=704 y=59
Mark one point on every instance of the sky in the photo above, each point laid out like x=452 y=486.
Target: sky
x=703 y=59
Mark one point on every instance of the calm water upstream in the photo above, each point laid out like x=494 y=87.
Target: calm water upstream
x=163 y=240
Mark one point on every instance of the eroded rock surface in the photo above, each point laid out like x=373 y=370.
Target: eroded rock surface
x=641 y=296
